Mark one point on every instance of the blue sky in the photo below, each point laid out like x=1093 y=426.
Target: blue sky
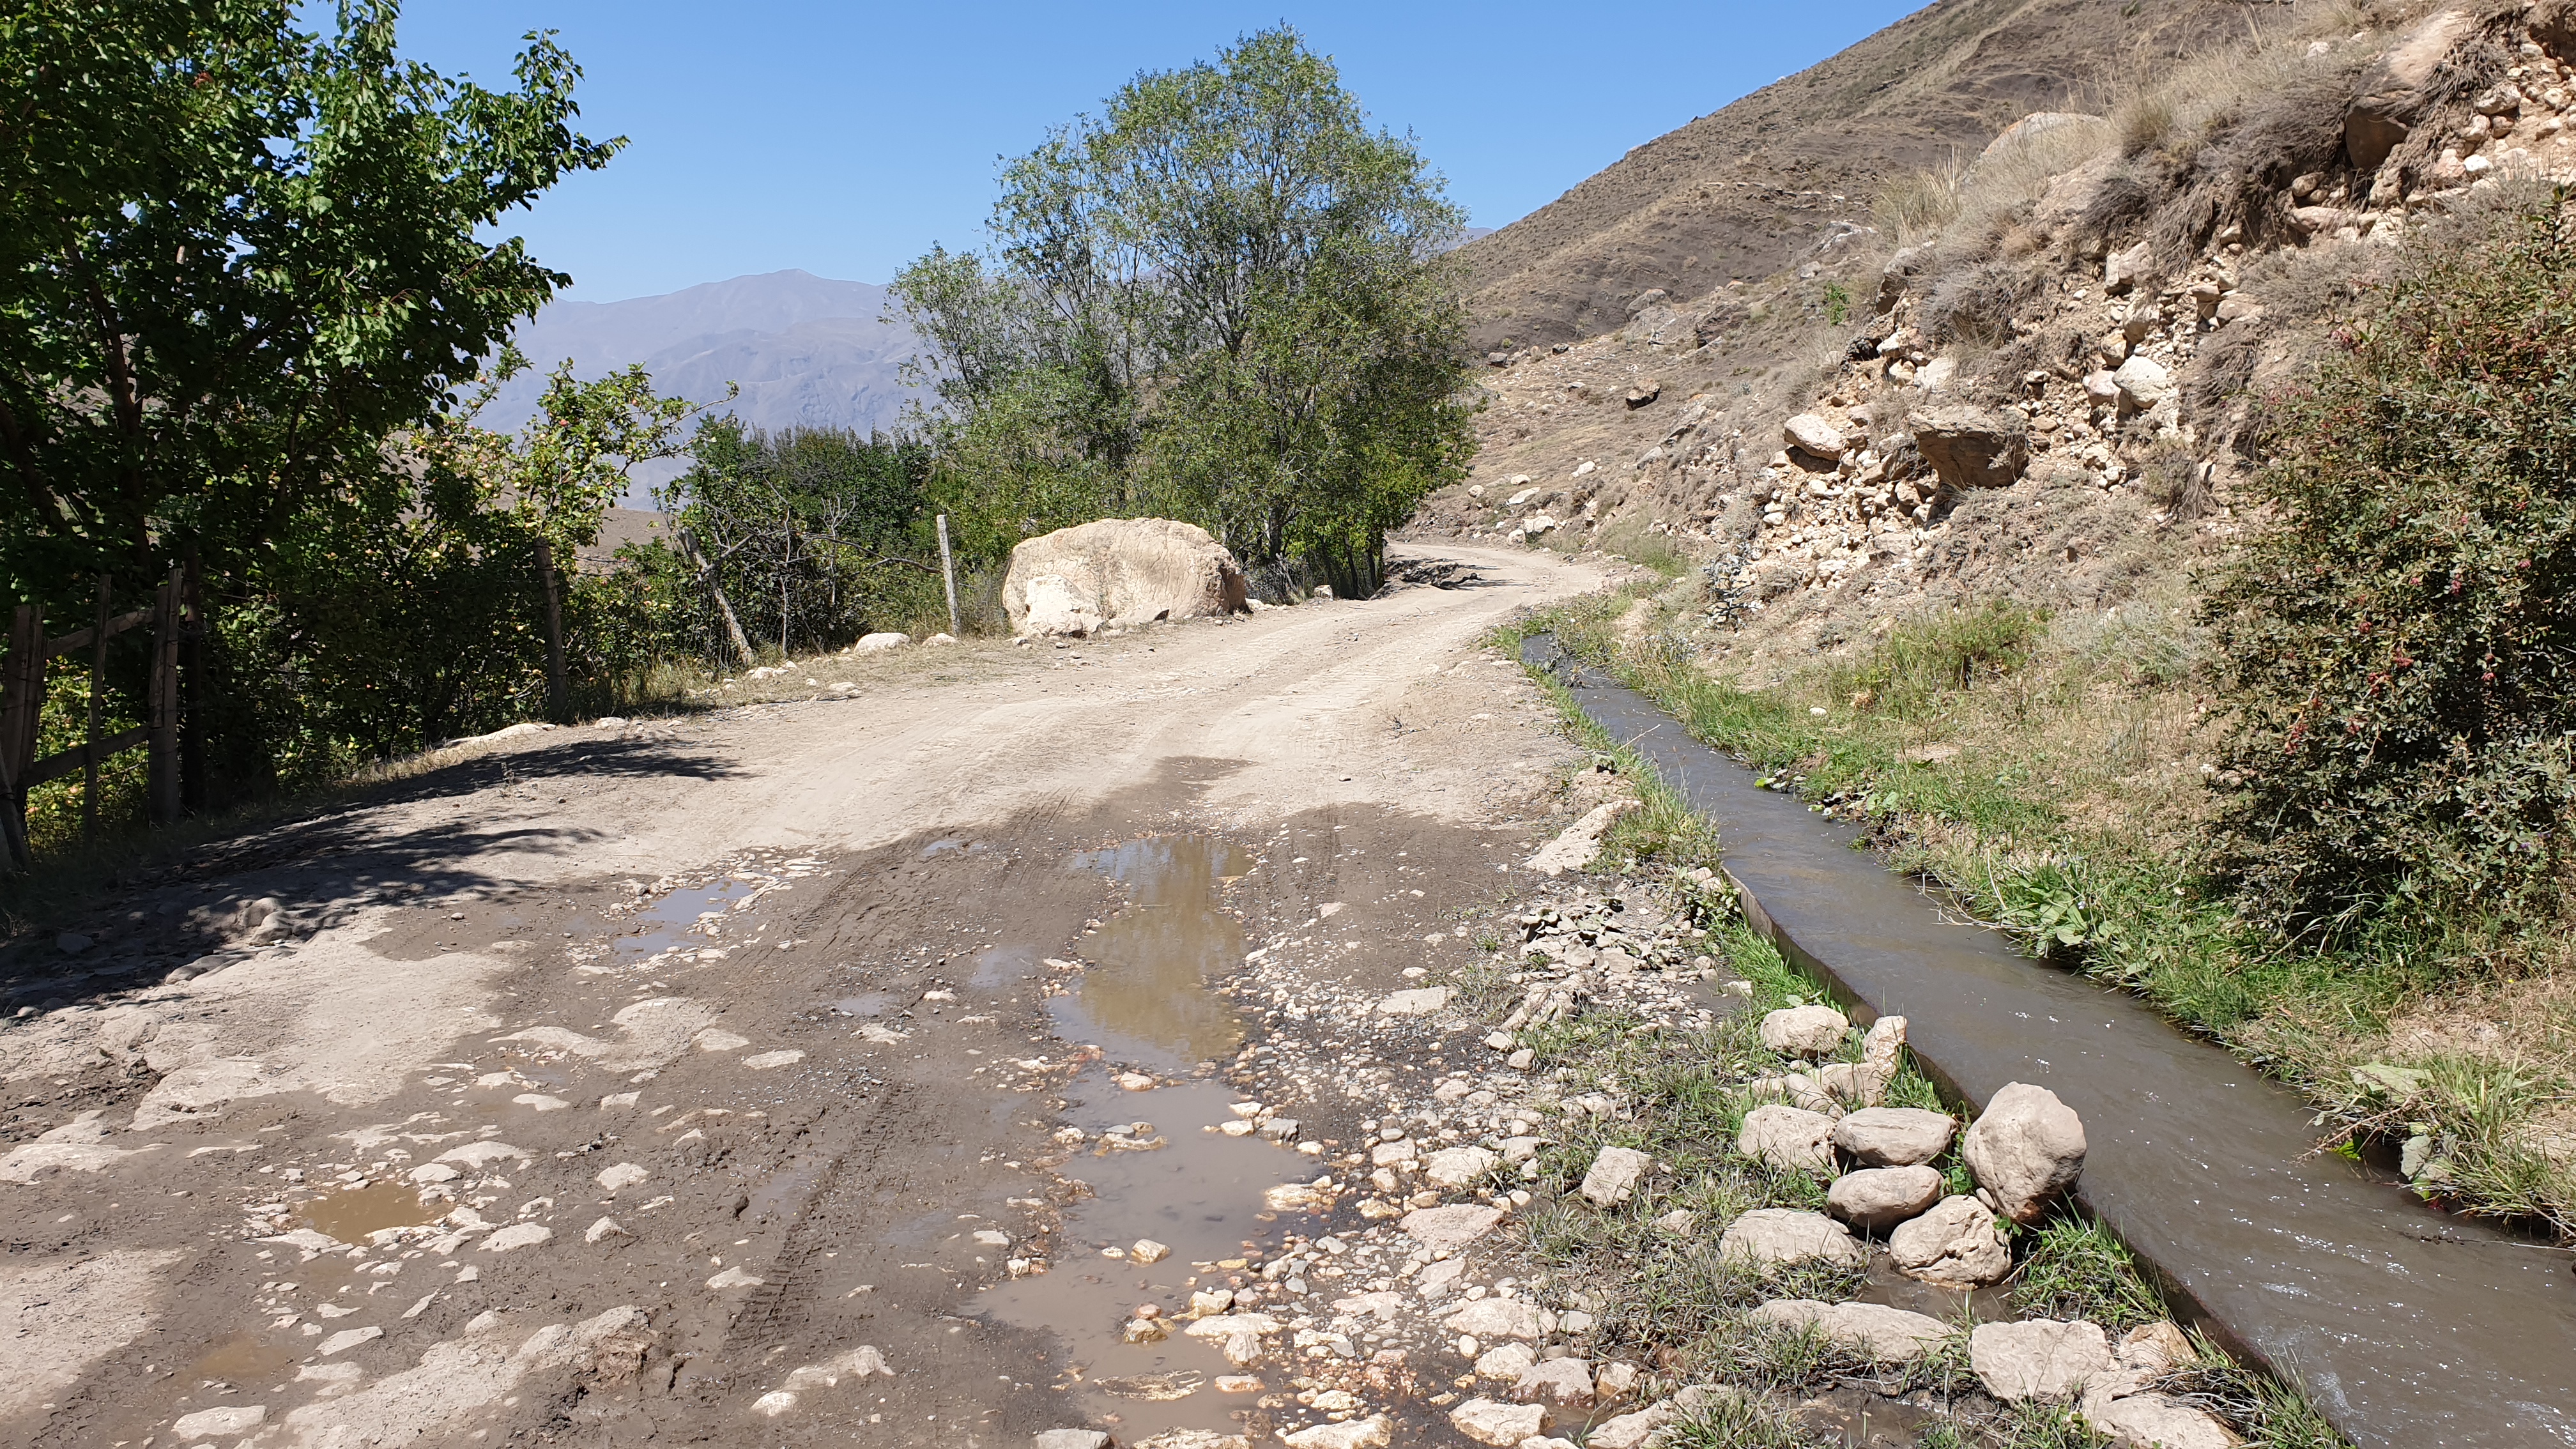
x=844 y=139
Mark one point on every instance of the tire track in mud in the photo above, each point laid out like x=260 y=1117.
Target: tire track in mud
x=783 y=1307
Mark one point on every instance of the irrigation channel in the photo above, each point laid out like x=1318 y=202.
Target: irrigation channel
x=2406 y=1327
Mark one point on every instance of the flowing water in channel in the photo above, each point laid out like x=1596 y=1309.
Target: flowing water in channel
x=1144 y=998
x=2405 y=1327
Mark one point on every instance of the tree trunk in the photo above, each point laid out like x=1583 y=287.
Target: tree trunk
x=162 y=695
x=97 y=686
x=20 y=698
x=558 y=706
x=715 y=589
x=192 y=694
x=948 y=576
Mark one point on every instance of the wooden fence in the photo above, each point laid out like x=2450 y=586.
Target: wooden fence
x=173 y=616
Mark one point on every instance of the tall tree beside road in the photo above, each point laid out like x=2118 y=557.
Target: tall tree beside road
x=1224 y=300
x=236 y=259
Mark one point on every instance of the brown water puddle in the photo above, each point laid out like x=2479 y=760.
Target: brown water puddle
x=350 y=1216
x=249 y=1357
x=698 y=912
x=1144 y=996
x=1200 y=1194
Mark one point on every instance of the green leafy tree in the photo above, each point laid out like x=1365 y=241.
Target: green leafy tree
x=235 y=259
x=1224 y=300
x=413 y=608
x=816 y=535
x=2400 y=639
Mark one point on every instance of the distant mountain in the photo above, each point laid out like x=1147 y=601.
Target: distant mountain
x=808 y=351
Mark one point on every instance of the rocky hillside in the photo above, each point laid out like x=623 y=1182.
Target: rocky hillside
x=1789 y=172
x=2027 y=377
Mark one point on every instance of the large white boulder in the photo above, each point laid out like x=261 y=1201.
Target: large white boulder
x=2026 y=1148
x=1122 y=571
x=1053 y=604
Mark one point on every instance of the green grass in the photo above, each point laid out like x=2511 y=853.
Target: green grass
x=1630 y=539
x=2268 y=1414
x=2029 y=1425
x=1727 y=1422
x=2075 y=1268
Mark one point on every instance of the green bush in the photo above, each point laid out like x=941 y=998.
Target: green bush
x=2397 y=640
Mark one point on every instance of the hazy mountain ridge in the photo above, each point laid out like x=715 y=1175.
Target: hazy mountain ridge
x=808 y=351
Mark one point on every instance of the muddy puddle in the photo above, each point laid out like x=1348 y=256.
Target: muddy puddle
x=1144 y=995
x=688 y=921
x=1156 y=1166
x=245 y=1358
x=2405 y=1327
x=351 y=1215
x=1199 y=1194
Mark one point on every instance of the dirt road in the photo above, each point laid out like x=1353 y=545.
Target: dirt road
x=718 y=1079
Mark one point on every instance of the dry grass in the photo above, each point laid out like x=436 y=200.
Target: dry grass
x=1971 y=208
x=1920 y=206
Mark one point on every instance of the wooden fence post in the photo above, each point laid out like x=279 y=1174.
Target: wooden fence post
x=97 y=689
x=948 y=575
x=162 y=702
x=14 y=856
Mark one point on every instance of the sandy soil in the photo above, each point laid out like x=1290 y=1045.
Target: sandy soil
x=656 y=1081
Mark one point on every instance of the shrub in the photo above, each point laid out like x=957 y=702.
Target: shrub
x=2398 y=640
